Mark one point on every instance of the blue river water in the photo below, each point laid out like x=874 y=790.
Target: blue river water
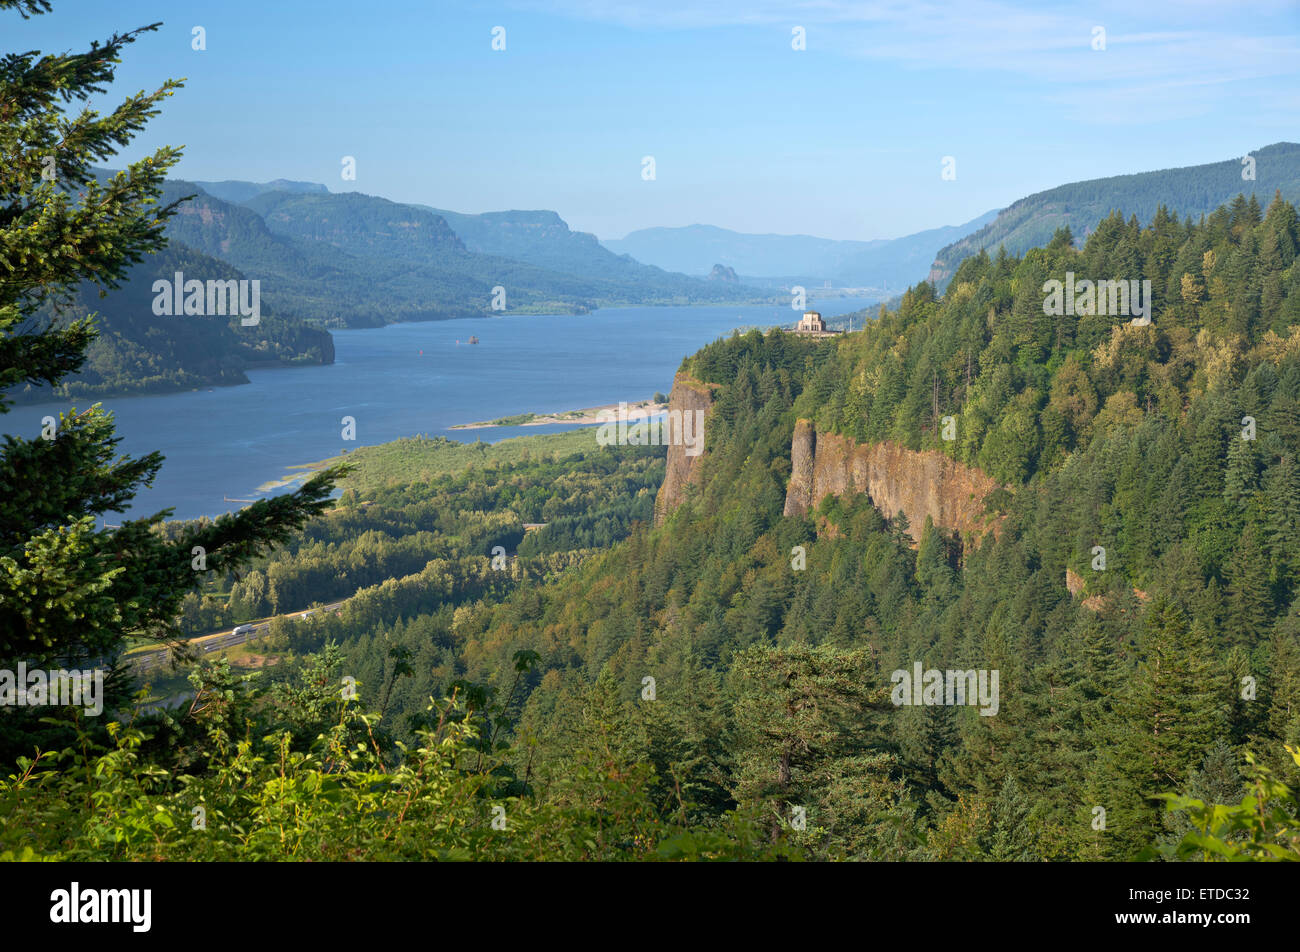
x=403 y=380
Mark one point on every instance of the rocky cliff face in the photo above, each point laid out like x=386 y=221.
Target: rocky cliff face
x=803 y=451
x=896 y=478
x=687 y=396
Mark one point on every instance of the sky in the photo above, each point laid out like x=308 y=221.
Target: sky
x=845 y=138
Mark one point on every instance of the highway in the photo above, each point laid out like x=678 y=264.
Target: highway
x=159 y=657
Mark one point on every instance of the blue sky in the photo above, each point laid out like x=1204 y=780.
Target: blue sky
x=844 y=139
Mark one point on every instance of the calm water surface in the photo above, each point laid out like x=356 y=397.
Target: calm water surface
x=403 y=380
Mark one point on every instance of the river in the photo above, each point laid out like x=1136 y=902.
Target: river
x=403 y=380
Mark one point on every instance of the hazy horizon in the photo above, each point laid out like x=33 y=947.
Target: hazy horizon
x=843 y=139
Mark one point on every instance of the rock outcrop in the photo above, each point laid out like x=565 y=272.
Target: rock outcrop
x=803 y=452
x=896 y=478
x=1075 y=585
x=687 y=396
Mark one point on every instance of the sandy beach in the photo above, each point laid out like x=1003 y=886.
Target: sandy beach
x=586 y=415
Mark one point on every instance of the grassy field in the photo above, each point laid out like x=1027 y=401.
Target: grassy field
x=421 y=458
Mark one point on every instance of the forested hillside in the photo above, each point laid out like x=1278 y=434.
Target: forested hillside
x=406 y=548
x=1155 y=675
x=720 y=685
x=139 y=352
x=1194 y=191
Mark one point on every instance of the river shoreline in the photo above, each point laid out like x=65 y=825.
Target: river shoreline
x=587 y=415
x=389 y=383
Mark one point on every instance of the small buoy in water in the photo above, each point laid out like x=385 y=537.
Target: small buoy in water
x=421 y=353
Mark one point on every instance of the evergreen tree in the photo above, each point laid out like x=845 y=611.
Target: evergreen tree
x=70 y=590
x=1282 y=495
x=1010 y=838
x=1282 y=690
x=807 y=742
x=1249 y=593
x=1171 y=714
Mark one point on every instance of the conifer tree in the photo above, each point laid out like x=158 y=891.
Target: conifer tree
x=1010 y=836
x=1283 y=690
x=1282 y=511
x=69 y=589
x=1171 y=714
x=1248 y=592
x=807 y=742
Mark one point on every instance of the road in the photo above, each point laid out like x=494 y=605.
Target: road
x=158 y=657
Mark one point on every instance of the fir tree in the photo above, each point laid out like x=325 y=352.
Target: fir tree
x=1249 y=593
x=804 y=726
x=1170 y=715
x=69 y=589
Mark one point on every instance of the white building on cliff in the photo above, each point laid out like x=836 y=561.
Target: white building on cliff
x=812 y=325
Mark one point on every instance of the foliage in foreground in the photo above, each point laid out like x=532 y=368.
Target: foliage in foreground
x=190 y=787
x=1263 y=827
x=304 y=772
x=71 y=591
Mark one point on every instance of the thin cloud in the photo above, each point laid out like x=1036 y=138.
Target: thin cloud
x=1140 y=68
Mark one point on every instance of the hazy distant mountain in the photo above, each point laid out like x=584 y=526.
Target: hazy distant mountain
x=902 y=262
x=375 y=229
x=1190 y=191
x=537 y=237
x=694 y=249
x=236 y=191
x=350 y=260
x=360 y=225
x=542 y=238
x=532 y=254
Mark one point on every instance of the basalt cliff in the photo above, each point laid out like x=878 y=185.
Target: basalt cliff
x=917 y=483
x=688 y=395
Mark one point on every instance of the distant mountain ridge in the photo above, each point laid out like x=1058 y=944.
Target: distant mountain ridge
x=340 y=260
x=1193 y=191
x=544 y=239
x=315 y=281
x=694 y=249
x=901 y=262
x=354 y=260
x=532 y=254
x=233 y=190
x=890 y=263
